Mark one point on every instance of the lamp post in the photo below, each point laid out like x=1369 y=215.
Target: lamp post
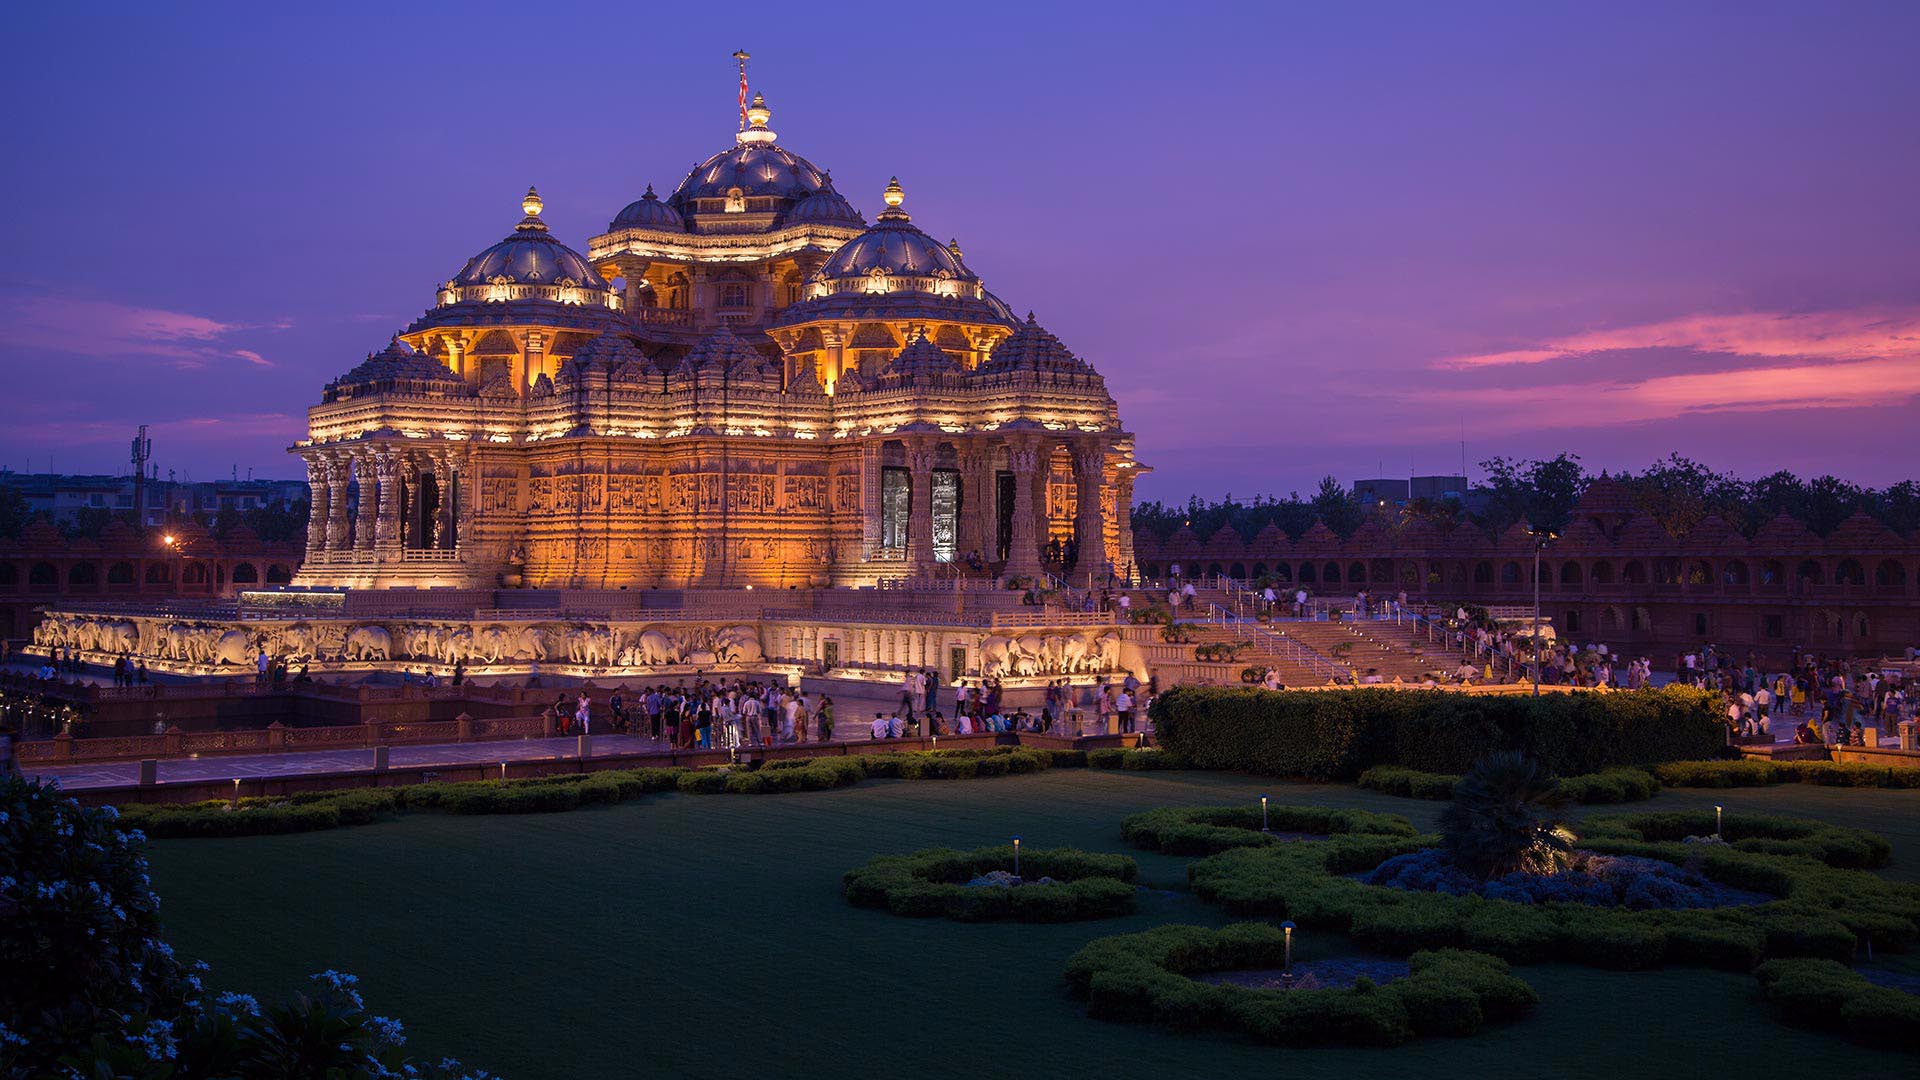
x=1287 y=971
x=1016 y=856
x=1263 y=814
x=1717 y=808
x=1540 y=542
x=236 y=793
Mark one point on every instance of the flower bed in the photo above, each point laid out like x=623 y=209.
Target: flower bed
x=1825 y=907
x=1592 y=879
x=1205 y=830
x=1829 y=996
x=1147 y=977
x=934 y=882
x=1607 y=786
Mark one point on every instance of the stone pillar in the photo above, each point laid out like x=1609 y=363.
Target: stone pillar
x=870 y=499
x=972 y=532
x=920 y=457
x=635 y=274
x=319 y=503
x=386 y=526
x=447 y=477
x=366 y=526
x=457 y=358
x=835 y=339
x=1123 y=520
x=339 y=529
x=1023 y=552
x=1089 y=513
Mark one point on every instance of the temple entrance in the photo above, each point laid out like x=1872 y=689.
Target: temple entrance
x=426 y=504
x=1003 y=515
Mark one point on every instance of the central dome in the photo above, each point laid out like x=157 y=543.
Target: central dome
x=753 y=166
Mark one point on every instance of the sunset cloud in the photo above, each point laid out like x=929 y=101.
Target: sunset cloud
x=1831 y=335
x=105 y=330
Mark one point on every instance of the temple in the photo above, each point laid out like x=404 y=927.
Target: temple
x=744 y=383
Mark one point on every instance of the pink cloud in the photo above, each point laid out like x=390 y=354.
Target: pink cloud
x=1834 y=335
x=106 y=330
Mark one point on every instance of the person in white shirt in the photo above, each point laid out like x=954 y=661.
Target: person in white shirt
x=1762 y=703
x=1123 y=704
x=963 y=724
x=896 y=727
x=880 y=727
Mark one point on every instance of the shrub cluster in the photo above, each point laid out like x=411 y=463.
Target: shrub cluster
x=1830 y=996
x=1205 y=830
x=1146 y=977
x=1338 y=734
x=1823 y=911
x=1753 y=772
x=1086 y=885
x=1607 y=786
x=1135 y=760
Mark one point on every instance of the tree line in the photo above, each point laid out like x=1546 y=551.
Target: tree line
x=1678 y=492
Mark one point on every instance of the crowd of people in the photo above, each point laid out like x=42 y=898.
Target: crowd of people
x=727 y=715
x=1828 y=701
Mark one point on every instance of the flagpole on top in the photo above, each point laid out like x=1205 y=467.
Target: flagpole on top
x=743 y=56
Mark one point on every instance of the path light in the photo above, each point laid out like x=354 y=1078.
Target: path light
x=1016 y=856
x=1287 y=971
x=503 y=770
x=236 y=793
x=1717 y=808
x=1263 y=814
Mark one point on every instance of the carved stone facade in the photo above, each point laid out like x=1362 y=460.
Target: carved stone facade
x=743 y=384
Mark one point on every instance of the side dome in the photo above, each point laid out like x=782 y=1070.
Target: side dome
x=531 y=256
x=893 y=247
x=648 y=212
x=827 y=207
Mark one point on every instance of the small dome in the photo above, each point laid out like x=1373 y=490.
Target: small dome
x=893 y=246
x=922 y=358
x=1031 y=347
x=826 y=206
x=398 y=361
x=648 y=212
x=531 y=256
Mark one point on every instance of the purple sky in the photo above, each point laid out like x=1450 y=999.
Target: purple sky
x=1297 y=242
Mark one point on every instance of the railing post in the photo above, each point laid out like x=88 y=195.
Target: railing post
x=175 y=739
x=62 y=747
x=276 y=736
x=463 y=727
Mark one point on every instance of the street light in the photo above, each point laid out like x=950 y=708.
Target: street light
x=1540 y=541
x=1263 y=814
x=1287 y=971
x=1716 y=818
x=1016 y=856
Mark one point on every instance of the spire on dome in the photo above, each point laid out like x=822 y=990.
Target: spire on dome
x=893 y=197
x=954 y=246
x=531 y=205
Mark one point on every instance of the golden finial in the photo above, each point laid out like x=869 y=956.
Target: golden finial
x=894 y=196
x=531 y=205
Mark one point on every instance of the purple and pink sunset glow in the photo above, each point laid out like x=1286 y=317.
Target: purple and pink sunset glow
x=1296 y=240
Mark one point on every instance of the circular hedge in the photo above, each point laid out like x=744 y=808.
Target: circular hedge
x=1086 y=885
x=1145 y=977
x=1205 y=830
x=1825 y=908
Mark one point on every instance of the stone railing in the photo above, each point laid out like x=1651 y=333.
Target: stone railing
x=276 y=738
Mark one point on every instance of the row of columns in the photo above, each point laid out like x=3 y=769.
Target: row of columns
x=382 y=474
x=1029 y=458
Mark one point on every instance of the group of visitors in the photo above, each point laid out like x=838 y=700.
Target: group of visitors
x=1834 y=700
x=706 y=715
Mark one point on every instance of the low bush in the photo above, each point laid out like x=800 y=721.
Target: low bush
x=1137 y=760
x=1607 y=786
x=1830 y=996
x=1147 y=977
x=1204 y=830
x=1826 y=905
x=1338 y=734
x=1086 y=885
x=1753 y=772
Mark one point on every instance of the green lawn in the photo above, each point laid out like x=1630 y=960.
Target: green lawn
x=705 y=936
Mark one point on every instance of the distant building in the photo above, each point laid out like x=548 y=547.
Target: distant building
x=63 y=497
x=1398 y=491
x=1384 y=492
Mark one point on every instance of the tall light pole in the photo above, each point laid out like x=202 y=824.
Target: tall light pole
x=1540 y=542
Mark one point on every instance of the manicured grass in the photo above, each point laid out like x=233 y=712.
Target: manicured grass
x=685 y=935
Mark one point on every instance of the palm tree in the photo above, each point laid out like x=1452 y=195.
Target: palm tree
x=1507 y=814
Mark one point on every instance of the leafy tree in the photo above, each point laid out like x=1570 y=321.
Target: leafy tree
x=14 y=513
x=1337 y=506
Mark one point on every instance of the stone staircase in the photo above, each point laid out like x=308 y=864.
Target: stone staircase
x=1378 y=648
x=1176 y=665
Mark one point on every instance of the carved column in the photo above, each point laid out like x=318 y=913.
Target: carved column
x=337 y=529
x=920 y=457
x=870 y=499
x=1023 y=552
x=975 y=500
x=364 y=527
x=319 y=503
x=835 y=340
x=1089 y=513
x=1123 y=517
x=445 y=473
x=387 y=526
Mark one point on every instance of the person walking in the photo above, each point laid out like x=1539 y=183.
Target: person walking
x=825 y=713
x=583 y=715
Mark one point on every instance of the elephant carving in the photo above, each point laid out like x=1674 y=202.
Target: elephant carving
x=738 y=645
x=996 y=655
x=369 y=643
x=654 y=647
x=231 y=647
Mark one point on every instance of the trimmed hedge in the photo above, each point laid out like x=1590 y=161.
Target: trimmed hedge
x=1135 y=760
x=1824 y=910
x=1145 y=977
x=933 y=883
x=1753 y=772
x=1205 y=830
x=1610 y=786
x=1830 y=996
x=1338 y=734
